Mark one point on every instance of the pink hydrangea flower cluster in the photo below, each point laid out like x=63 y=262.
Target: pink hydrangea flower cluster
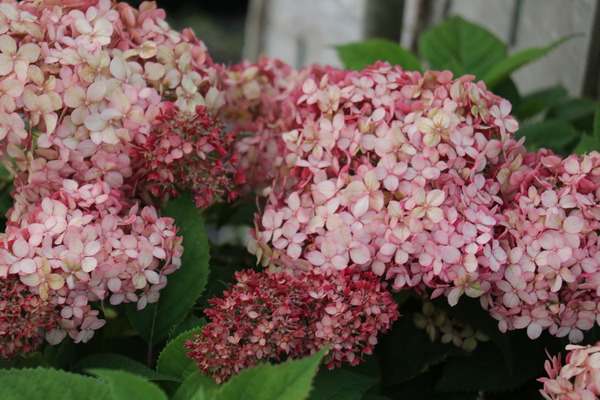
x=550 y=228
x=81 y=86
x=577 y=379
x=89 y=80
x=419 y=179
x=394 y=173
x=275 y=315
x=84 y=244
x=259 y=105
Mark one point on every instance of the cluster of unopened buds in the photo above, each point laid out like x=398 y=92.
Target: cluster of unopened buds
x=437 y=323
x=577 y=379
x=276 y=315
x=85 y=87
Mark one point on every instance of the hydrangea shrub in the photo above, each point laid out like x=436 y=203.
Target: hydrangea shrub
x=380 y=192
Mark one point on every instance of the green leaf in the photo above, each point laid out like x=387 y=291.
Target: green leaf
x=126 y=386
x=173 y=360
x=60 y=355
x=486 y=370
x=573 y=109
x=534 y=103
x=186 y=284
x=597 y=122
x=44 y=384
x=555 y=134
x=503 y=68
x=508 y=90
x=586 y=144
x=196 y=386
x=461 y=47
x=340 y=384
x=357 y=56
x=190 y=322
x=119 y=362
x=33 y=361
x=291 y=380
x=406 y=352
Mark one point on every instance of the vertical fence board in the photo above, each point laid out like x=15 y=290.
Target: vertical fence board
x=304 y=32
x=544 y=21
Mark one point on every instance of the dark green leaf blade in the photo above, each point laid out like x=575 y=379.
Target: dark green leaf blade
x=196 y=386
x=44 y=384
x=597 y=122
x=120 y=362
x=357 y=56
x=507 y=66
x=555 y=134
x=184 y=285
x=173 y=360
x=126 y=386
x=486 y=370
x=291 y=380
x=586 y=144
x=536 y=102
x=407 y=352
x=340 y=384
x=461 y=47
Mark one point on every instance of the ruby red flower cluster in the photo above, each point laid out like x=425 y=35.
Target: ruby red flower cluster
x=276 y=315
x=188 y=150
x=22 y=315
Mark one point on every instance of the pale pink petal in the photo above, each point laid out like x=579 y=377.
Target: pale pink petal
x=360 y=254
x=573 y=224
x=29 y=51
x=316 y=258
x=6 y=64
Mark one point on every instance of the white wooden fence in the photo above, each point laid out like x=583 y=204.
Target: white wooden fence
x=301 y=32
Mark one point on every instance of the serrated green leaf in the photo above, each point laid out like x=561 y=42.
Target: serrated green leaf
x=122 y=363
x=291 y=380
x=196 y=386
x=555 y=134
x=190 y=322
x=586 y=144
x=44 y=384
x=340 y=384
x=357 y=56
x=20 y=363
x=503 y=68
x=127 y=386
x=173 y=360
x=461 y=47
x=185 y=285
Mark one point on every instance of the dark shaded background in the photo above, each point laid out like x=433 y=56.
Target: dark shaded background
x=219 y=24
